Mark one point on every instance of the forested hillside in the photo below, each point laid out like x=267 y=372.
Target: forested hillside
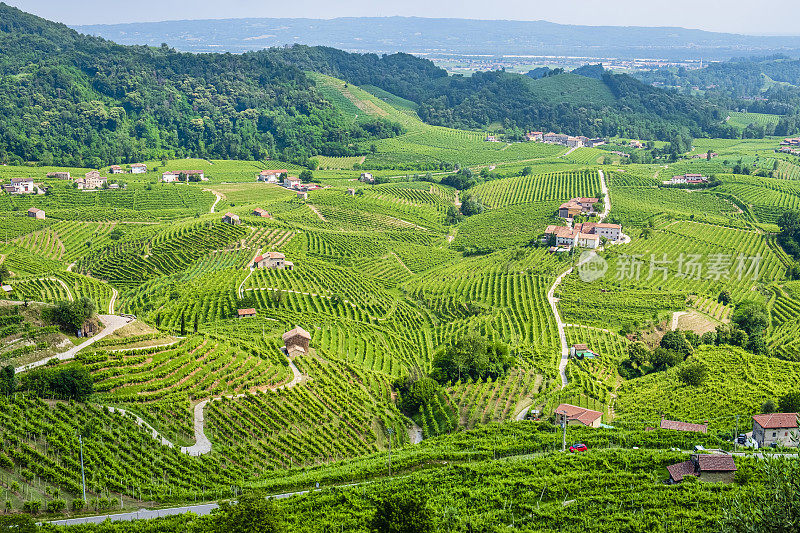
x=71 y=99
x=614 y=105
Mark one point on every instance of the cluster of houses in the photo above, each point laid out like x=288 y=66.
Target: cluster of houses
x=271 y=176
x=687 y=179
x=577 y=206
x=586 y=235
x=136 y=168
x=172 y=176
x=777 y=429
x=705 y=155
x=790 y=146
x=565 y=140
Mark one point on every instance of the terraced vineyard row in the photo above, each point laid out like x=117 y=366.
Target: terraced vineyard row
x=539 y=188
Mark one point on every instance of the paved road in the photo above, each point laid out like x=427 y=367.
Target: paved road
x=143 y=514
x=112 y=323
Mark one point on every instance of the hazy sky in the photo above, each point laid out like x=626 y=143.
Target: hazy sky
x=763 y=17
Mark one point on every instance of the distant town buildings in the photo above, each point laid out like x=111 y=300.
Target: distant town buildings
x=570 y=141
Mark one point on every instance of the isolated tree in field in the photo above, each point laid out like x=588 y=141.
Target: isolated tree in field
x=724 y=297
x=253 y=513
x=306 y=176
x=693 y=373
x=751 y=316
x=527 y=171
x=402 y=513
x=789 y=403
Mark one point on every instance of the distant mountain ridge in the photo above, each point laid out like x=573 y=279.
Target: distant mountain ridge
x=445 y=35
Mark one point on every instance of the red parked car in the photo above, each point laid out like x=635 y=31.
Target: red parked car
x=580 y=447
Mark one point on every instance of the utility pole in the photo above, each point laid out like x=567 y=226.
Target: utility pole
x=736 y=435
x=564 y=432
x=83 y=475
x=391 y=432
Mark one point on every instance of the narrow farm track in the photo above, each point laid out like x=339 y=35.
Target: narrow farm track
x=214 y=205
x=114 y=295
x=112 y=323
x=66 y=288
x=316 y=212
x=562 y=336
x=202 y=445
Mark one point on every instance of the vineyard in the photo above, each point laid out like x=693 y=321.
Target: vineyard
x=384 y=278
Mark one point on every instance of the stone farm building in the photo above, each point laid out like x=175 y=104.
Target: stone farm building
x=230 y=218
x=138 y=168
x=684 y=426
x=366 y=177
x=716 y=467
x=351 y=192
x=271 y=176
x=303 y=195
x=59 y=175
x=776 y=428
x=36 y=213
x=579 y=416
x=261 y=213
x=115 y=169
x=534 y=136
x=20 y=186
x=172 y=176
x=296 y=341
x=577 y=206
x=246 y=313
x=91 y=180
x=273 y=260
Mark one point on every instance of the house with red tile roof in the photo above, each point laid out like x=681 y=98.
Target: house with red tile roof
x=273 y=260
x=707 y=467
x=684 y=426
x=776 y=428
x=246 y=313
x=580 y=416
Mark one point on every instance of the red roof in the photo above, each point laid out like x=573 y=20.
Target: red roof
x=250 y=311
x=573 y=412
x=776 y=420
x=679 y=470
x=716 y=463
x=684 y=426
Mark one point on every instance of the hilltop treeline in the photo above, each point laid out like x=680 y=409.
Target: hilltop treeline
x=75 y=100
x=516 y=101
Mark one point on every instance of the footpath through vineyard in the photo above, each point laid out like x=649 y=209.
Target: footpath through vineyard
x=562 y=365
